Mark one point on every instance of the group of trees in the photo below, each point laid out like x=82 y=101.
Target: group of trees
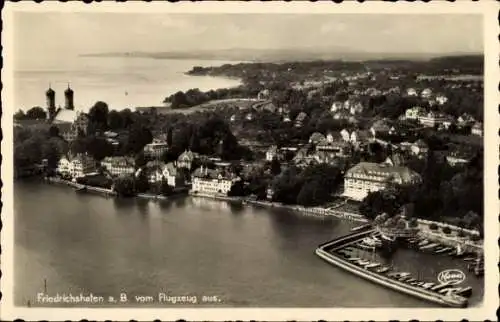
x=31 y=146
x=34 y=113
x=310 y=187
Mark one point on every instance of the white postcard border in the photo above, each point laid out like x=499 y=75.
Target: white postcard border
x=489 y=10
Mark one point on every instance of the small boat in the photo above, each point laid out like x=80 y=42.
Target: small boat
x=372 y=265
x=363 y=262
x=404 y=276
x=443 y=250
x=398 y=274
x=465 y=291
x=428 y=285
x=423 y=243
x=382 y=269
x=429 y=246
x=440 y=286
x=460 y=291
x=469 y=259
x=410 y=280
x=358 y=228
x=353 y=259
x=365 y=247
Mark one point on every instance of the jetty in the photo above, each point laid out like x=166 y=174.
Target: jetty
x=335 y=253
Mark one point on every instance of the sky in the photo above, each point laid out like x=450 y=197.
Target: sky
x=70 y=33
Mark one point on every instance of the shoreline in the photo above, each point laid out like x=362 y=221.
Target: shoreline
x=306 y=211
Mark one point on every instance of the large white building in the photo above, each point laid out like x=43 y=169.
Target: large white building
x=432 y=119
x=119 y=166
x=155 y=149
x=76 y=167
x=213 y=182
x=366 y=177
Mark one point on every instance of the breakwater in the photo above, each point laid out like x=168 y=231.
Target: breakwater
x=330 y=252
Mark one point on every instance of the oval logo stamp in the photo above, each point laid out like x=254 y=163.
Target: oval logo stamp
x=451 y=276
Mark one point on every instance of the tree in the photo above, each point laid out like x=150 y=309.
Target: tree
x=140 y=160
x=141 y=182
x=53 y=131
x=169 y=137
x=98 y=147
x=115 y=120
x=19 y=115
x=194 y=141
x=98 y=117
x=125 y=186
x=166 y=189
x=36 y=113
x=138 y=137
x=275 y=167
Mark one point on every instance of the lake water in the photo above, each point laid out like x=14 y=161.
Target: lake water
x=245 y=256
x=119 y=81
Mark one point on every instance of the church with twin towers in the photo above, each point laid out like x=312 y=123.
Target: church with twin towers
x=67 y=120
x=69 y=104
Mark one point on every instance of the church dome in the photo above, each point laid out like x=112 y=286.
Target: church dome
x=68 y=90
x=50 y=91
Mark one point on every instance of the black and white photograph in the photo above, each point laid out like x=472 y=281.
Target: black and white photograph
x=200 y=156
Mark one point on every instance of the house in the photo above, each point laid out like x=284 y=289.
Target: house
x=213 y=182
x=301 y=119
x=380 y=127
x=272 y=153
x=269 y=193
x=185 y=160
x=336 y=106
x=432 y=119
x=419 y=148
x=465 y=120
x=249 y=116
x=426 y=93
x=286 y=118
x=395 y=160
x=366 y=177
x=415 y=112
x=119 y=166
x=316 y=137
x=477 y=129
x=441 y=99
x=155 y=149
x=263 y=94
x=158 y=171
x=75 y=167
x=459 y=158
x=339 y=149
x=411 y=92
x=356 y=108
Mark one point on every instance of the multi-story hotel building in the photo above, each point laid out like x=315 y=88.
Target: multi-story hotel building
x=118 y=166
x=155 y=149
x=432 y=119
x=212 y=182
x=366 y=177
x=79 y=166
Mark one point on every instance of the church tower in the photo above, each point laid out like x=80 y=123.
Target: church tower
x=68 y=99
x=50 y=95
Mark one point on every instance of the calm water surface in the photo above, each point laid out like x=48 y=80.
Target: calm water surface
x=246 y=256
x=121 y=82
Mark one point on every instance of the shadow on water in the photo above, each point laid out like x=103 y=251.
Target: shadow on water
x=123 y=203
x=165 y=205
x=180 y=202
x=236 y=208
x=143 y=206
